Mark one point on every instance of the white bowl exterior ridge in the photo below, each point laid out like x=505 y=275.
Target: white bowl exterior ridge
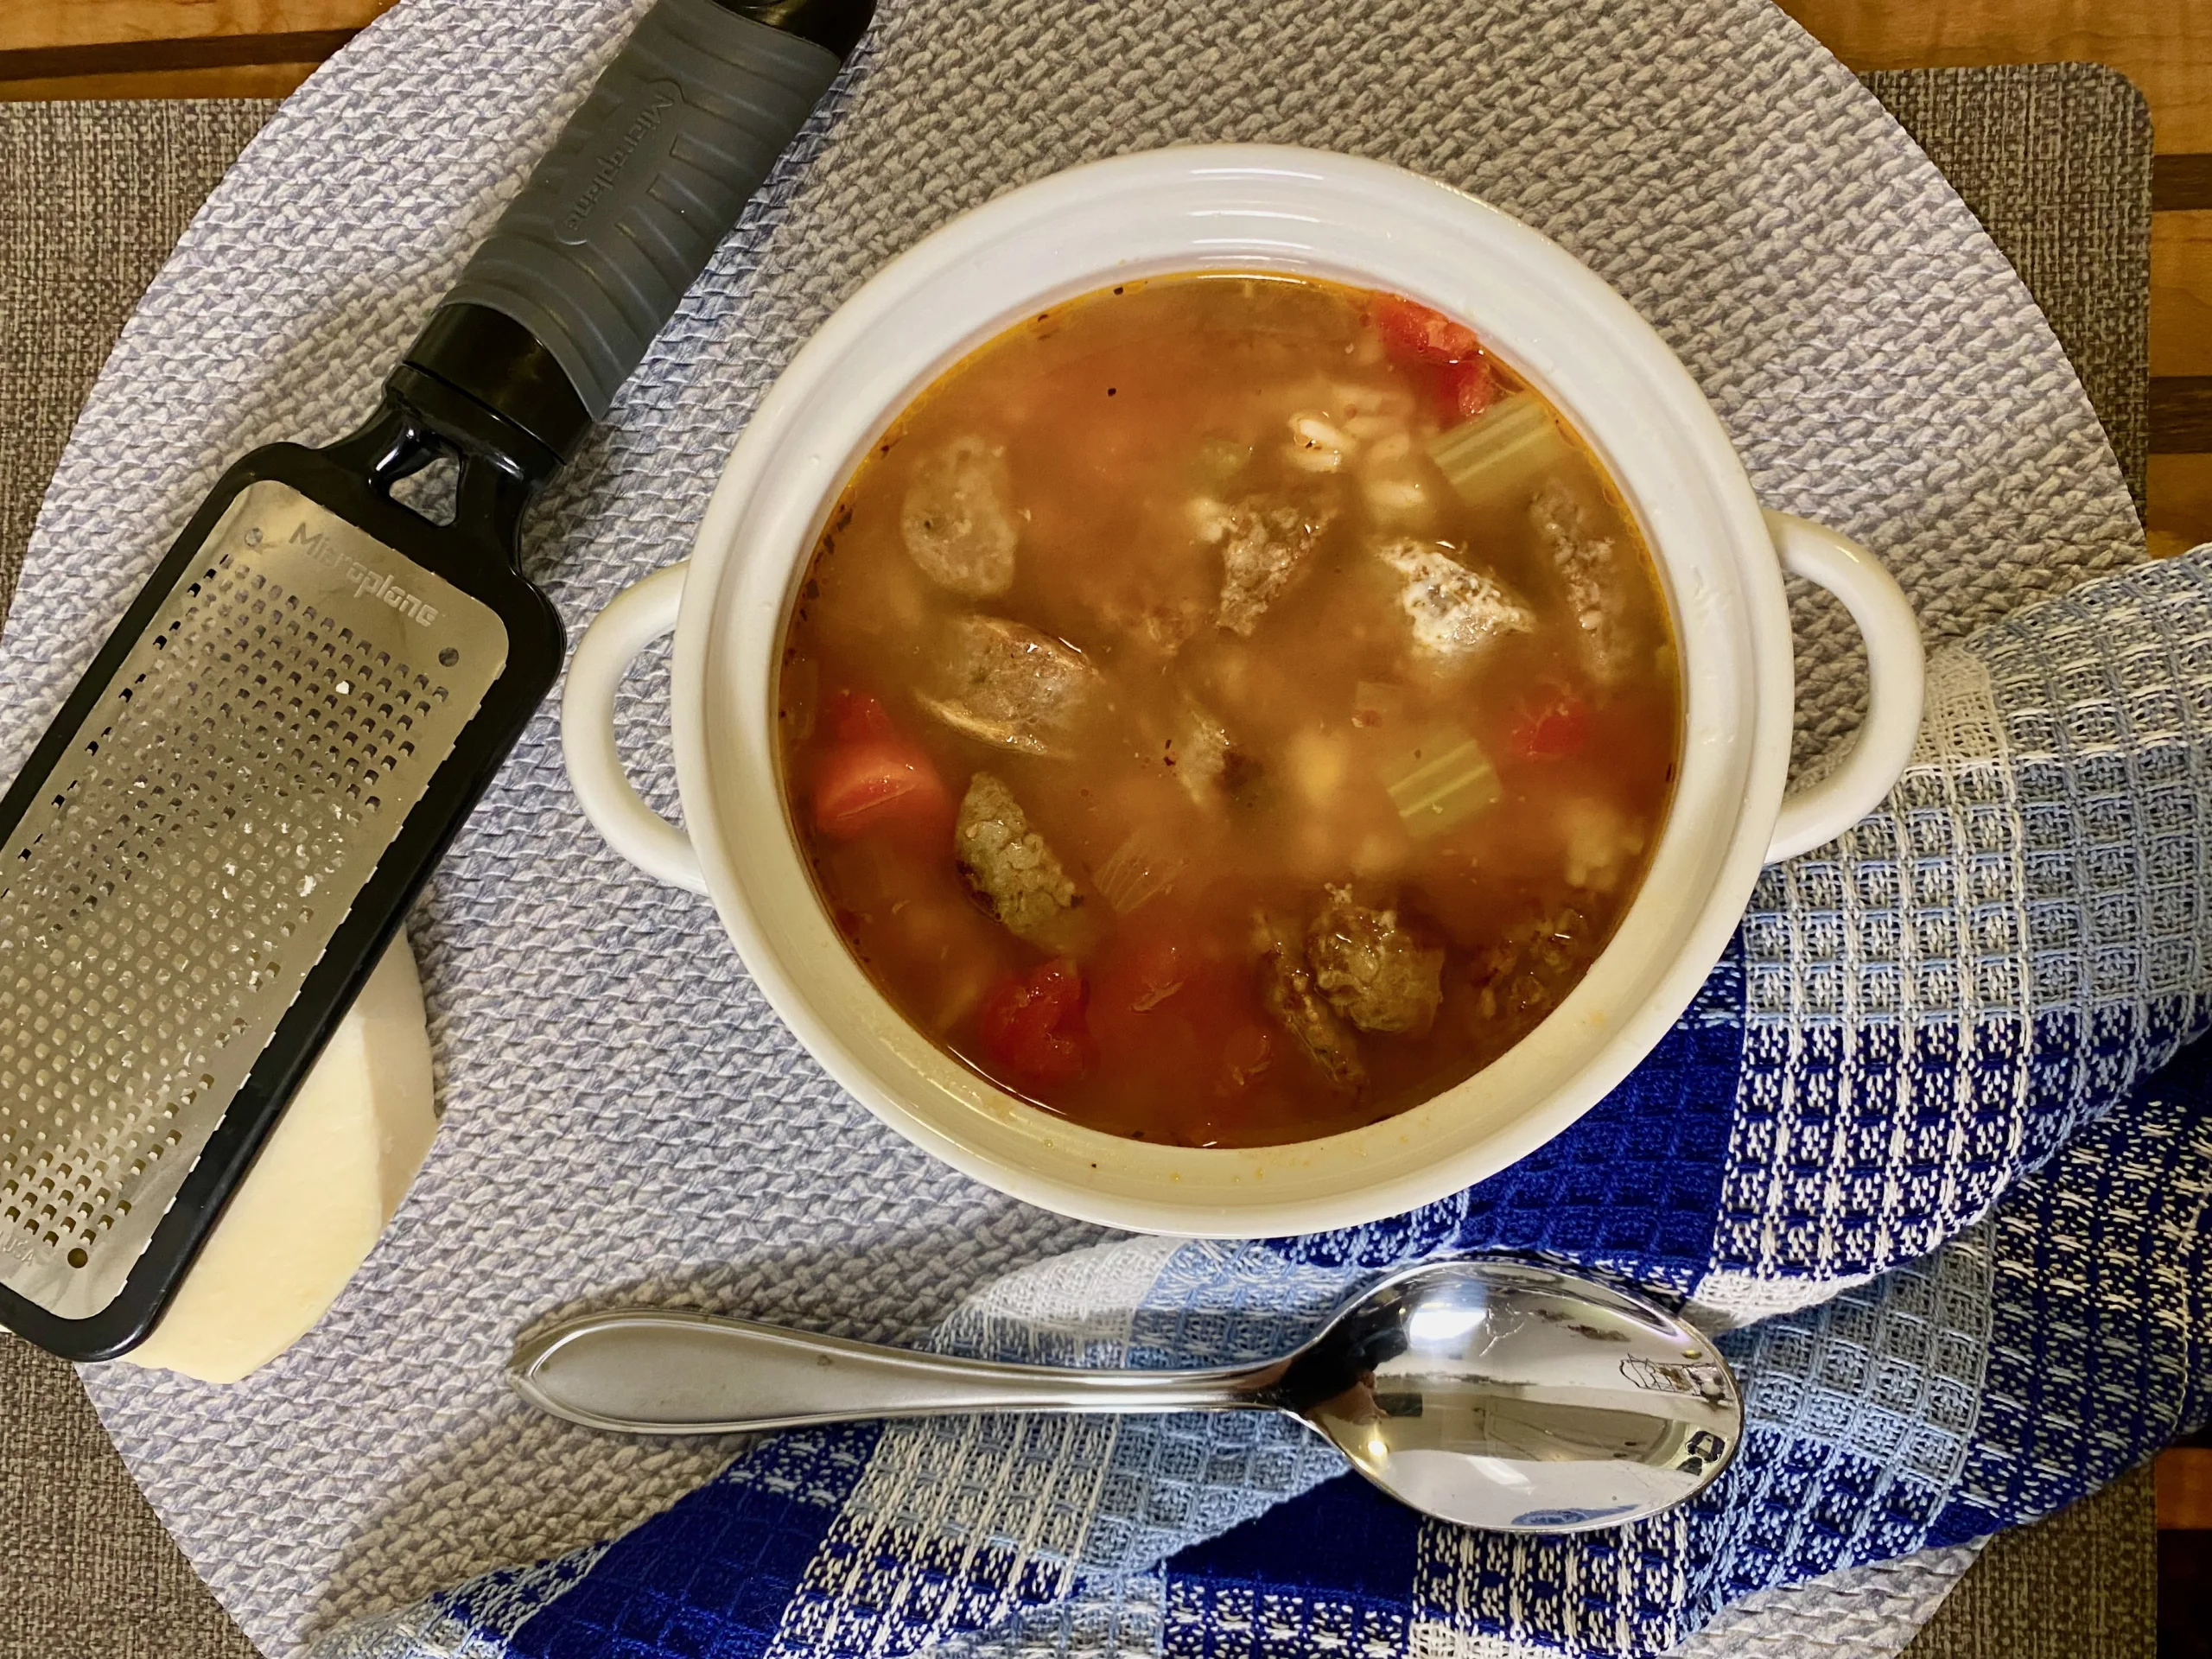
x=1251 y=208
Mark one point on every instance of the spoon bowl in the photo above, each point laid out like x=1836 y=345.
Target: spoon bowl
x=1492 y=1394
x=1518 y=1398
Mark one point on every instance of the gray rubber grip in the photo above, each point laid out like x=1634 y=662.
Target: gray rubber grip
x=623 y=213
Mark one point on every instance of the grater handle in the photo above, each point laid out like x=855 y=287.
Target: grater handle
x=649 y=176
x=636 y=616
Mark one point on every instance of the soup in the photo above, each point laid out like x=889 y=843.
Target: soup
x=1228 y=710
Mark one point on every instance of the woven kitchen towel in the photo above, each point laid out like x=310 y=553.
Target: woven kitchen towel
x=2017 y=936
x=626 y=1118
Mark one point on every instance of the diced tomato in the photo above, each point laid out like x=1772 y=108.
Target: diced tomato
x=1445 y=358
x=1551 y=726
x=1465 y=388
x=872 y=783
x=1413 y=333
x=1145 y=973
x=855 y=714
x=1163 y=1010
x=1032 y=1026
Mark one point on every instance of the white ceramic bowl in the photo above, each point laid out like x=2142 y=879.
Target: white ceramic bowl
x=1240 y=207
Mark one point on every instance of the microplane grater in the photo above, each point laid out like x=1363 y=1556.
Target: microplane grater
x=208 y=850
x=187 y=863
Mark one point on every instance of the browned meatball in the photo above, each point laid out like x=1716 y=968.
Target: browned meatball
x=1010 y=868
x=1265 y=548
x=1594 y=578
x=1375 y=970
x=1287 y=987
x=1010 y=685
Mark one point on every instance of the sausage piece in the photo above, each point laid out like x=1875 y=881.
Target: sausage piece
x=957 y=518
x=1593 y=579
x=1286 y=987
x=1455 y=611
x=1008 y=684
x=1264 y=550
x=1376 y=972
x=1008 y=867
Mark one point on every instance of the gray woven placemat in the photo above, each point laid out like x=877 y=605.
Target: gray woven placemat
x=2054 y=160
x=93 y=197
x=122 y=1589
x=2081 y=1584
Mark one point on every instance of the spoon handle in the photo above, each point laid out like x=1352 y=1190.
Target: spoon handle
x=652 y=1371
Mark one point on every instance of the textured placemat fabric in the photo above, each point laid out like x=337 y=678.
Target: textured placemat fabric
x=2054 y=160
x=555 y=1079
x=93 y=197
x=2083 y=1582
x=88 y=1573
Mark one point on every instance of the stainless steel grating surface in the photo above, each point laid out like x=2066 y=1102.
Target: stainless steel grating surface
x=191 y=857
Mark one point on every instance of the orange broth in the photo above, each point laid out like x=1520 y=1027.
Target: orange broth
x=1226 y=710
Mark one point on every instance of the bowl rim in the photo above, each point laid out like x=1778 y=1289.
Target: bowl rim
x=1262 y=207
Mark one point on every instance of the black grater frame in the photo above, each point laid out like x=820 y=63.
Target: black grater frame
x=479 y=553
x=549 y=318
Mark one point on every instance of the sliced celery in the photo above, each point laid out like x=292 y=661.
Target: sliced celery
x=1505 y=447
x=1445 y=781
x=1138 y=871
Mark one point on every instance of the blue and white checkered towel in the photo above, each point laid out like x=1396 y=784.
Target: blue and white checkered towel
x=1914 y=1130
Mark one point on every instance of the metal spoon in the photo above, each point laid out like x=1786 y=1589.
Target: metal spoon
x=1493 y=1394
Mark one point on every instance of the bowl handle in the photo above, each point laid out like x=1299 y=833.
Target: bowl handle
x=1896 y=671
x=636 y=616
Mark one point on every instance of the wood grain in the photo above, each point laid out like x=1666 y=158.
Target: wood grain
x=2185 y=1489
x=250 y=80
x=2180 y=415
x=34 y=25
x=2180 y=183
x=2163 y=46
x=152 y=57
x=2180 y=508
x=2181 y=293
x=169 y=48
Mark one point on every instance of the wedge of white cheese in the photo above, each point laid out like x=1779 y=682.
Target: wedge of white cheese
x=327 y=1181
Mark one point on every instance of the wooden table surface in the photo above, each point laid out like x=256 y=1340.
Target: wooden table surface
x=264 y=48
